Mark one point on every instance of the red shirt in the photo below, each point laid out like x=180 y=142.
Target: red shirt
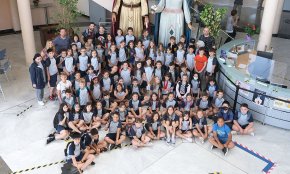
x=199 y=62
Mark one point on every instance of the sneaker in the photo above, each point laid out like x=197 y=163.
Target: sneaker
x=252 y=134
x=201 y=140
x=189 y=140
x=173 y=141
x=50 y=139
x=40 y=103
x=168 y=141
x=213 y=147
x=119 y=146
x=149 y=144
x=234 y=132
x=225 y=151
x=51 y=135
x=93 y=163
x=111 y=146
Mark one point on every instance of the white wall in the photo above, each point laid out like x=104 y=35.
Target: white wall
x=107 y=4
x=83 y=6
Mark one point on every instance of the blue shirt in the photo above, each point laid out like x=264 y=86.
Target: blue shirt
x=222 y=132
x=61 y=43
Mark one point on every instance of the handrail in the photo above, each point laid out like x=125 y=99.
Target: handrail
x=274 y=98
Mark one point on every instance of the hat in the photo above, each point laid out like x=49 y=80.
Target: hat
x=36 y=56
x=75 y=135
x=94 y=77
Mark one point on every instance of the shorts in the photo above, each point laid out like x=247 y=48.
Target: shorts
x=244 y=126
x=184 y=131
x=78 y=158
x=53 y=80
x=155 y=132
x=60 y=128
x=195 y=95
x=112 y=136
x=202 y=130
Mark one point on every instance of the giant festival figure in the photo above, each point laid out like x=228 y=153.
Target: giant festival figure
x=131 y=14
x=172 y=17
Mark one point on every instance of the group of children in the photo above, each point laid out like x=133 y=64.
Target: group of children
x=138 y=90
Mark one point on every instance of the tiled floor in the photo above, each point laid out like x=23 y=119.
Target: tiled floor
x=22 y=144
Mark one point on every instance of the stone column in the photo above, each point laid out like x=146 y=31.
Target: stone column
x=278 y=16
x=14 y=15
x=26 y=29
x=268 y=21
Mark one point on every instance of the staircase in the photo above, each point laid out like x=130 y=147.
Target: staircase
x=100 y=12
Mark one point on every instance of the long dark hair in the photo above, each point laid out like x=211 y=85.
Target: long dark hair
x=60 y=110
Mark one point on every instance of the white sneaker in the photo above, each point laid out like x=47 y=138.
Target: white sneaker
x=252 y=134
x=234 y=132
x=41 y=103
x=189 y=140
x=201 y=140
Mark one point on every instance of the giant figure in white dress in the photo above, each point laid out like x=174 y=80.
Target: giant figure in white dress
x=173 y=13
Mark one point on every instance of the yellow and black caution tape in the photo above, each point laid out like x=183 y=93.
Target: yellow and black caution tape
x=51 y=164
x=38 y=167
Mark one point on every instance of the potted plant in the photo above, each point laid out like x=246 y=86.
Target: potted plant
x=65 y=17
x=250 y=30
x=212 y=18
x=67 y=13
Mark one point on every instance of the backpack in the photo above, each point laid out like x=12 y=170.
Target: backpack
x=65 y=150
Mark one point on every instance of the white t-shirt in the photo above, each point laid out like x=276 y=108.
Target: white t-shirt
x=63 y=86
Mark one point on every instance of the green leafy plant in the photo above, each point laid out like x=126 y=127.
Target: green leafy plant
x=251 y=29
x=67 y=13
x=212 y=18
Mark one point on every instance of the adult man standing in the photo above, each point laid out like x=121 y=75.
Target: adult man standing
x=131 y=15
x=208 y=40
x=61 y=42
x=90 y=32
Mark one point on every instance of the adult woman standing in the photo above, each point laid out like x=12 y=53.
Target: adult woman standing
x=37 y=76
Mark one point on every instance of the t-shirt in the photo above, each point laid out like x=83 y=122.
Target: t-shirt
x=172 y=117
x=73 y=150
x=229 y=115
x=202 y=104
x=136 y=131
x=118 y=39
x=113 y=126
x=190 y=61
x=134 y=104
x=83 y=95
x=199 y=62
x=68 y=63
x=106 y=83
x=122 y=55
x=209 y=41
x=243 y=119
x=51 y=63
x=95 y=63
x=222 y=132
x=211 y=61
x=101 y=37
x=73 y=116
x=200 y=121
x=61 y=43
x=83 y=62
x=87 y=116
x=155 y=125
x=61 y=86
